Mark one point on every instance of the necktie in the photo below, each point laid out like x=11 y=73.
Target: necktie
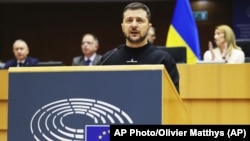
x=88 y=62
x=20 y=64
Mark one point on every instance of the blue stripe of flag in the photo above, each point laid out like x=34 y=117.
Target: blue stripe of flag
x=184 y=23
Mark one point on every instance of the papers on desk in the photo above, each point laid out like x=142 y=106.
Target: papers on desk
x=210 y=62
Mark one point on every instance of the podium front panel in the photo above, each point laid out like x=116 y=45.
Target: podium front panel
x=58 y=105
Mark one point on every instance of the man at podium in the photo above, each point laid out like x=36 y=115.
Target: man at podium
x=137 y=49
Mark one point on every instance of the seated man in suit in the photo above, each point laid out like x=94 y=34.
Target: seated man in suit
x=21 y=52
x=89 y=48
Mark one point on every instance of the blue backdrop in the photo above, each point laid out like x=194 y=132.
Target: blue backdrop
x=58 y=105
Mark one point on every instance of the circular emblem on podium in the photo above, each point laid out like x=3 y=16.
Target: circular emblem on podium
x=66 y=119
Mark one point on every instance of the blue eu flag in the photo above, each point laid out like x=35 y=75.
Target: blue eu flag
x=97 y=133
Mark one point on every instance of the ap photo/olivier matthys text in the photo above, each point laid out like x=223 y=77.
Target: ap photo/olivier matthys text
x=133 y=132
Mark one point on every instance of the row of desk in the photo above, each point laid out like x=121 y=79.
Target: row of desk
x=216 y=93
x=212 y=94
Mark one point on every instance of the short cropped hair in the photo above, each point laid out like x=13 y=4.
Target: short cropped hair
x=95 y=37
x=138 y=5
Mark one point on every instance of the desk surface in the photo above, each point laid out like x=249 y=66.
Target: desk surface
x=229 y=81
x=216 y=93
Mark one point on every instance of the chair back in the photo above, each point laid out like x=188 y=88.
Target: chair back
x=245 y=45
x=179 y=53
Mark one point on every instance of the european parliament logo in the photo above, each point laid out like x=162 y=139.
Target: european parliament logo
x=97 y=133
x=66 y=119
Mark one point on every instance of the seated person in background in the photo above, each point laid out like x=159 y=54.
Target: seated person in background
x=89 y=48
x=151 y=35
x=21 y=52
x=226 y=49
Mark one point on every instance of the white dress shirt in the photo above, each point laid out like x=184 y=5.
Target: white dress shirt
x=236 y=57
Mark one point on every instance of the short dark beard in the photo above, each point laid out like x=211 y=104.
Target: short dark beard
x=142 y=38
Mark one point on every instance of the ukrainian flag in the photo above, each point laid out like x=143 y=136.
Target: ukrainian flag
x=183 y=31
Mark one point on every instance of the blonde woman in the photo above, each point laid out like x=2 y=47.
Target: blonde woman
x=226 y=49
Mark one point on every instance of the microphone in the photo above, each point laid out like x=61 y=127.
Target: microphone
x=108 y=57
x=113 y=52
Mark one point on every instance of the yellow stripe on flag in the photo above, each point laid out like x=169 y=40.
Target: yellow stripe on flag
x=175 y=40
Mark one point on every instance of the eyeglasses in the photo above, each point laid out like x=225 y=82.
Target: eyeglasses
x=87 y=42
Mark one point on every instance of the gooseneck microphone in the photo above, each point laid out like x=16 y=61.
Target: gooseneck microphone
x=108 y=57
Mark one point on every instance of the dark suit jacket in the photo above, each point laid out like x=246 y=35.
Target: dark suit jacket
x=30 y=61
x=79 y=60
